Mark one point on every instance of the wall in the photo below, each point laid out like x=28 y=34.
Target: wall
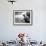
x=38 y=30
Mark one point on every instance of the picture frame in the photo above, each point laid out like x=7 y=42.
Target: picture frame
x=22 y=17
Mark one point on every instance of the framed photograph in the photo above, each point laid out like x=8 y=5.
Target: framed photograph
x=22 y=17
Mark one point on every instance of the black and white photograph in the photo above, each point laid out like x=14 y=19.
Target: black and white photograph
x=22 y=16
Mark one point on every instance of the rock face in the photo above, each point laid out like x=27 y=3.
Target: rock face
x=44 y=45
